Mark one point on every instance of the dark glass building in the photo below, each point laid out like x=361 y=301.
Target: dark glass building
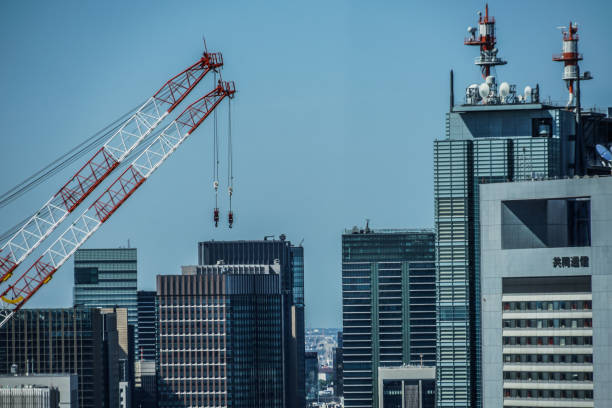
x=221 y=337
x=60 y=341
x=338 y=368
x=107 y=278
x=291 y=261
x=388 y=299
x=146 y=325
x=311 y=371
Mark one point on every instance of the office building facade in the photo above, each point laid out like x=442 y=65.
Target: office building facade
x=145 y=384
x=221 y=337
x=311 y=372
x=483 y=144
x=389 y=308
x=291 y=261
x=58 y=341
x=146 y=325
x=107 y=278
x=546 y=287
x=338 y=367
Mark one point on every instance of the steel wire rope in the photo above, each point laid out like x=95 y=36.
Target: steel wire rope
x=63 y=161
x=56 y=166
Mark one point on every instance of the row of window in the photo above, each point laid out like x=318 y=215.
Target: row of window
x=552 y=394
x=547 y=376
x=548 y=323
x=548 y=306
x=548 y=341
x=549 y=358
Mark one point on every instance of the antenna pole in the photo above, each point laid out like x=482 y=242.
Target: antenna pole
x=452 y=91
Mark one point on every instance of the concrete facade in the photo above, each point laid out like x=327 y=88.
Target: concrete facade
x=499 y=266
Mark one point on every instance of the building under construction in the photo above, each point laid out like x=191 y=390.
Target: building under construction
x=497 y=134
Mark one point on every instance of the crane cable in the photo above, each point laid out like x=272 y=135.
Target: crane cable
x=230 y=164
x=63 y=161
x=216 y=163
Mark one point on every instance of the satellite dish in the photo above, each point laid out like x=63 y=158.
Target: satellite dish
x=490 y=80
x=472 y=30
x=504 y=89
x=527 y=92
x=603 y=152
x=483 y=90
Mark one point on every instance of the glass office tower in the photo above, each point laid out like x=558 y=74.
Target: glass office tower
x=483 y=144
x=107 y=278
x=291 y=261
x=388 y=299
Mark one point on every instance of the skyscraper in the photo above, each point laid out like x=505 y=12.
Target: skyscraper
x=311 y=371
x=107 y=278
x=146 y=325
x=221 y=337
x=484 y=143
x=291 y=260
x=59 y=341
x=388 y=304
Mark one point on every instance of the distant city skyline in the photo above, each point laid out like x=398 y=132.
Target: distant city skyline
x=318 y=147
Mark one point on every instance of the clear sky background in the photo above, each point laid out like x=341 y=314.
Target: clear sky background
x=338 y=106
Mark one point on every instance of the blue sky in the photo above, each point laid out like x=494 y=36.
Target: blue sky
x=338 y=105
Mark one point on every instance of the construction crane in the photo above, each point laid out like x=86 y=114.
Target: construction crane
x=140 y=169
x=104 y=161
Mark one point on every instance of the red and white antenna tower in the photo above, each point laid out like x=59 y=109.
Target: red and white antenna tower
x=486 y=40
x=570 y=58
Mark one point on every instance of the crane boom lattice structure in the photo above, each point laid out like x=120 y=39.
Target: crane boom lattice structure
x=104 y=161
x=111 y=199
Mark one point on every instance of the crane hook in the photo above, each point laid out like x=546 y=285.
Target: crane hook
x=216 y=210
x=230 y=215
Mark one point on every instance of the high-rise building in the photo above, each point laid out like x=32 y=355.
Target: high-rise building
x=146 y=325
x=311 y=372
x=59 y=341
x=338 y=367
x=299 y=328
x=221 y=337
x=145 y=379
x=107 y=278
x=122 y=334
x=291 y=261
x=145 y=384
x=484 y=143
x=388 y=305
x=546 y=289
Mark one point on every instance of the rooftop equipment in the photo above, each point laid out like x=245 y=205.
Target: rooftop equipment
x=570 y=58
x=486 y=41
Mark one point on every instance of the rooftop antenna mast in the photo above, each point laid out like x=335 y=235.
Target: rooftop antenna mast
x=570 y=58
x=486 y=41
